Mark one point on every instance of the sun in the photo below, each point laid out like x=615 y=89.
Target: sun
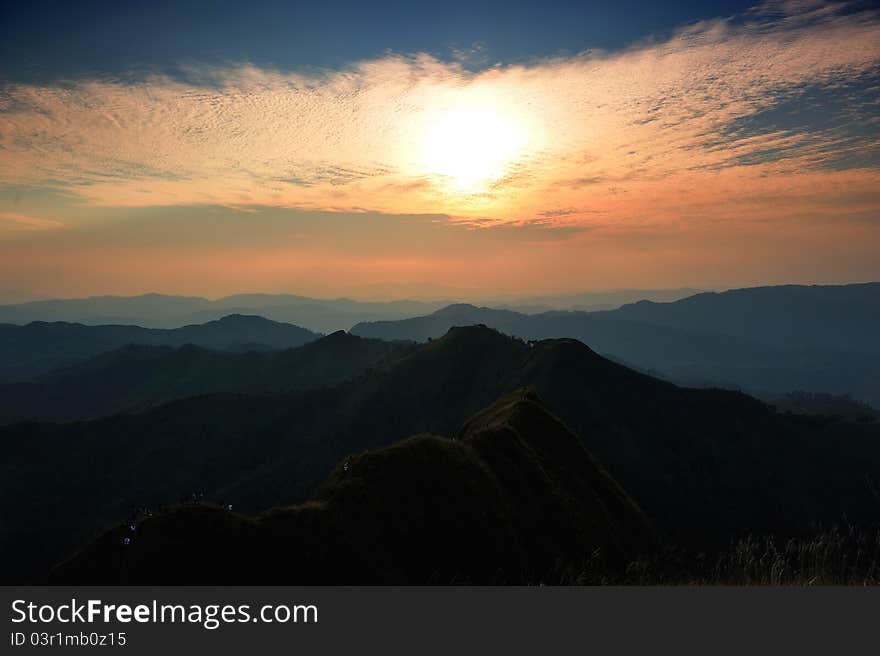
x=471 y=148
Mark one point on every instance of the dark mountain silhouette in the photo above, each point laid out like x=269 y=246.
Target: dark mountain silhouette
x=435 y=325
x=38 y=347
x=506 y=500
x=704 y=464
x=767 y=341
x=137 y=377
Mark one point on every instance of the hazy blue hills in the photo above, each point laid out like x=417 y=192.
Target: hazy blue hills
x=137 y=377
x=39 y=347
x=842 y=317
x=162 y=311
x=704 y=464
x=589 y=301
x=320 y=315
x=505 y=501
x=765 y=340
x=144 y=310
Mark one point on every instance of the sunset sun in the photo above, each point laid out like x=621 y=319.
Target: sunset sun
x=472 y=147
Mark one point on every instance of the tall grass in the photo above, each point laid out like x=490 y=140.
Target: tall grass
x=839 y=556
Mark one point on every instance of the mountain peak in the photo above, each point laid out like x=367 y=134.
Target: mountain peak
x=338 y=337
x=474 y=332
x=456 y=308
x=243 y=318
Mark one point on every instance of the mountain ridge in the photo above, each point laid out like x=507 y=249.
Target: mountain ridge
x=136 y=377
x=794 y=353
x=705 y=465
x=168 y=312
x=505 y=501
x=39 y=347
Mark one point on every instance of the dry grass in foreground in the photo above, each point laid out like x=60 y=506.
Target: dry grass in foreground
x=840 y=556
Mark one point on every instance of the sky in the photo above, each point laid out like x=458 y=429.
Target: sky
x=461 y=149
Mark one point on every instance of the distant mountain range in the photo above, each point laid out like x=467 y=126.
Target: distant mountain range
x=764 y=340
x=841 y=317
x=160 y=311
x=39 y=347
x=704 y=465
x=588 y=301
x=319 y=315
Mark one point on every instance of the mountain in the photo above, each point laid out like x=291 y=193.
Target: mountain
x=39 y=347
x=436 y=324
x=147 y=310
x=137 y=377
x=809 y=403
x=769 y=341
x=704 y=464
x=510 y=497
x=590 y=301
x=319 y=315
x=841 y=317
x=161 y=311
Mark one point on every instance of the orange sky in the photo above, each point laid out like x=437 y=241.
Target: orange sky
x=731 y=154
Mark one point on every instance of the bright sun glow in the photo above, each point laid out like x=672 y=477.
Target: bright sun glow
x=471 y=148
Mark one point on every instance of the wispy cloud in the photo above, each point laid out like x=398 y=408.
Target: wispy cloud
x=14 y=221
x=667 y=131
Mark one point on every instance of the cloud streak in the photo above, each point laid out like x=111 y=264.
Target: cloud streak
x=12 y=221
x=649 y=136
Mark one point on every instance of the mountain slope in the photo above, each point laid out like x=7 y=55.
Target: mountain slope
x=507 y=500
x=138 y=377
x=705 y=465
x=39 y=347
x=843 y=317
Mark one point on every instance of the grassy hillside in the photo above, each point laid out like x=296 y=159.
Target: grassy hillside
x=510 y=497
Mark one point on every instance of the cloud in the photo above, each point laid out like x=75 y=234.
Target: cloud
x=668 y=131
x=17 y=222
